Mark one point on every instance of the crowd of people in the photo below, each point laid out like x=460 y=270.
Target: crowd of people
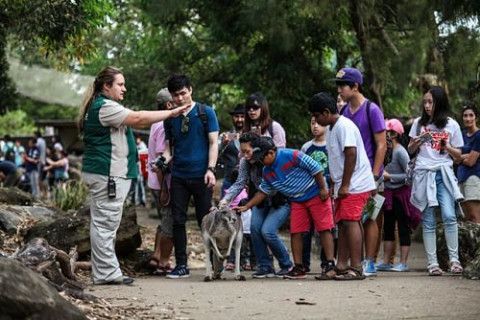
x=40 y=168
x=325 y=190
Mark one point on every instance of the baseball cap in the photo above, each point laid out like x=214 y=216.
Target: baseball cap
x=394 y=125
x=239 y=109
x=261 y=147
x=163 y=96
x=349 y=75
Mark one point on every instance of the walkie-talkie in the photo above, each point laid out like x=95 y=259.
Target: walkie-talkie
x=111 y=189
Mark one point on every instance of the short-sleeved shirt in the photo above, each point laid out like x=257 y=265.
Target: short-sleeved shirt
x=429 y=152
x=292 y=174
x=471 y=144
x=346 y=134
x=110 y=147
x=377 y=123
x=34 y=154
x=156 y=145
x=319 y=153
x=42 y=149
x=190 y=148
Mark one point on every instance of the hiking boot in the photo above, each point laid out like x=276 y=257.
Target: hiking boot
x=369 y=268
x=181 y=271
x=384 y=267
x=262 y=274
x=296 y=273
x=400 y=267
x=282 y=272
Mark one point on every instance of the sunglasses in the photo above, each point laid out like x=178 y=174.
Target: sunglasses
x=185 y=121
x=253 y=107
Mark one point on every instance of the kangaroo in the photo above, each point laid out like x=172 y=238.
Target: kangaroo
x=221 y=231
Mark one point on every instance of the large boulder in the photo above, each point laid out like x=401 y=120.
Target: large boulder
x=25 y=294
x=69 y=230
x=469 y=248
x=12 y=215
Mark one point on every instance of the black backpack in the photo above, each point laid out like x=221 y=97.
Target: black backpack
x=10 y=154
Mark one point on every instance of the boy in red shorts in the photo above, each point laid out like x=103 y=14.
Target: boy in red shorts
x=299 y=178
x=352 y=180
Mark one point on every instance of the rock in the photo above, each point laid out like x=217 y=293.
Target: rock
x=24 y=294
x=68 y=230
x=12 y=215
x=468 y=244
x=15 y=196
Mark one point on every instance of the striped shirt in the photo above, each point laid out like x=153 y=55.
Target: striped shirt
x=292 y=174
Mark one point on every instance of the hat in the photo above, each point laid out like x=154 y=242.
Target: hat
x=394 y=125
x=261 y=146
x=239 y=109
x=349 y=75
x=163 y=96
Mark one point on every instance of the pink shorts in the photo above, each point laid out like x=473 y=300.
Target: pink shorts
x=350 y=207
x=314 y=209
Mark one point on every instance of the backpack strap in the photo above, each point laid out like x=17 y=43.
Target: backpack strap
x=202 y=113
x=270 y=129
x=374 y=143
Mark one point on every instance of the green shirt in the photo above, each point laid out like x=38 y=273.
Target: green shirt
x=110 y=147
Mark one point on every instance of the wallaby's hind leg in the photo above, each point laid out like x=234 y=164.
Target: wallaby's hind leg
x=238 y=247
x=208 y=264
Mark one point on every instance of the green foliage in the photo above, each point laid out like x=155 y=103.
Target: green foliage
x=38 y=110
x=16 y=122
x=72 y=196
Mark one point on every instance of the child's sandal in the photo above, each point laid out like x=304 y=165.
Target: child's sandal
x=434 y=271
x=456 y=267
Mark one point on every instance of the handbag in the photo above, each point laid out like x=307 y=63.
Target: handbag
x=411 y=163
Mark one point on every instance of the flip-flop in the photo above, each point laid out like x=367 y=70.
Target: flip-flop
x=150 y=266
x=350 y=273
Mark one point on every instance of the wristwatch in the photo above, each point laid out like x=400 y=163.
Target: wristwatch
x=212 y=169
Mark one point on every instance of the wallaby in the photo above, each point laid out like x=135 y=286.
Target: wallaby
x=222 y=230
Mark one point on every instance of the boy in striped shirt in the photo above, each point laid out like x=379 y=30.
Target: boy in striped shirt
x=299 y=178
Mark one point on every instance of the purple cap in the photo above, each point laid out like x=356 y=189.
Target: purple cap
x=349 y=75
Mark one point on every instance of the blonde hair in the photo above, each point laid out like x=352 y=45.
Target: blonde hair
x=105 y=76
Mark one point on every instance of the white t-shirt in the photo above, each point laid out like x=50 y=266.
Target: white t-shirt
x=346 y=134
x=429 y=154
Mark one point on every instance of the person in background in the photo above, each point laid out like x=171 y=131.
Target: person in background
x=42 y=175
x=434 y=183
x=468 y=157
x=159 y=183
x=8 y=149
x=109 y=165
x=369 y=119
x=317 y=149
x=19 y=153
x=230 y=146
x=9 y=174
x=340 y=103
x=31 y=166
x=257 y=119
x=397 y=205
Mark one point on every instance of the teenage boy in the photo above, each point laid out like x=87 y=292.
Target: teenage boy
x=351 y=182
x=370 y=121
x=299 y=178
x=193 y=140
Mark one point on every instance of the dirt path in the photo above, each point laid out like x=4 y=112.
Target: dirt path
x=412 y=295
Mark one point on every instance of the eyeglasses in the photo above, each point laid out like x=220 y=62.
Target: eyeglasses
x=185 y=121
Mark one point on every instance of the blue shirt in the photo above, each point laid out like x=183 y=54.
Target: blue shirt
x=292 y=174
x=470 y=144
x=34 y=154
x=190 y=148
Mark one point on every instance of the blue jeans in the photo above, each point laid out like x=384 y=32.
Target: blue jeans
x=447 y=207
x=264 y=231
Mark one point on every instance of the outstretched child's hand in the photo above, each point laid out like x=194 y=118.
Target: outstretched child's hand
x=324 y=194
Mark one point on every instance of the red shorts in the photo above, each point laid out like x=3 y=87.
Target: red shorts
x=314 y=209
x=350 y=207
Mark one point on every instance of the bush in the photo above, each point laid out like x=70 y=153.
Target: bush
x=72 y=196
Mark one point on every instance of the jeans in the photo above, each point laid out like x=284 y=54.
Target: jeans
x=33 y=176
x=264 y=231
x=181 y=190
x=447 y=207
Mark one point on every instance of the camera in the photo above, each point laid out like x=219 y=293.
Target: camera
x=160 y=164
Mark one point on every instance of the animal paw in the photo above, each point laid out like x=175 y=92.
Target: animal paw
x=240 y=278
x=207 y=279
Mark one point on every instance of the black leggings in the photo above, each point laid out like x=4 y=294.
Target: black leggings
x=389 y=219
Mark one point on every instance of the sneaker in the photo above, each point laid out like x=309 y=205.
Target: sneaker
x=262 y=274
x=307 y=269
x=119 y=281
x=401 y=267
x=181 y=271
x=369 y=268
x=384 y=267
x=282 y=272
x=296 y=273
x=230 y=266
